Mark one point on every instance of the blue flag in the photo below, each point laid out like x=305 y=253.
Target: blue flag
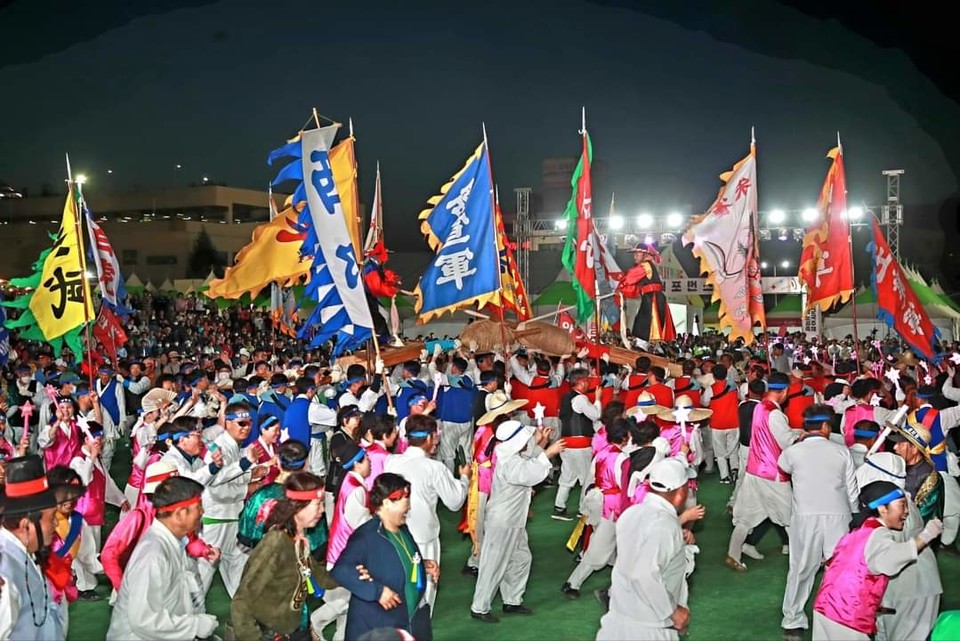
x=459 y=227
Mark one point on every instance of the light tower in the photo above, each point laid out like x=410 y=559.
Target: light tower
x=893 y=211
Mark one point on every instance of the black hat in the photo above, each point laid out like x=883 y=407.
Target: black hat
x=26 y=489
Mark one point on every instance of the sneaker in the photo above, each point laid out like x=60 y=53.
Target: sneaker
x=486 y=617
x=733 y=564
x=751 y=551
x=785 y=550
x=734 y=474
x=725 y=481
x=570 y=592
x=516 y=609
x=560 y=514
x=470 y=570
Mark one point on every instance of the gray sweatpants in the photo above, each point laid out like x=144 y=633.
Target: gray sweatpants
x=505 y=560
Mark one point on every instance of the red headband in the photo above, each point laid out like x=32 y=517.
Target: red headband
x=396 y=495
x=176 y=506
x=26 y=488
x=157 y=478
x=304 y=495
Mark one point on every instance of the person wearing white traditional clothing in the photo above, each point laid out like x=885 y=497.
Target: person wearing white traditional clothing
x=430 y=481
x=113 y=409
x=160 y=597
x=648 y=590
x=765 y=491
x=27 y=609
x=184 y=445
x=505 y=556
x=824 y=496
x=856 y=576
x=913 y=595
x=224 y=496
x=578 y=418
x=357 y=381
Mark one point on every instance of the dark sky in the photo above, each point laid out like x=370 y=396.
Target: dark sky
x=671 y=93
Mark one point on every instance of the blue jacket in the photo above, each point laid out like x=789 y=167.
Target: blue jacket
x=297 y=420
x=369 y=546
x=455 y=404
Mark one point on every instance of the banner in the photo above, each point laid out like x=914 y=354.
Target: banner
x=62 y=300
x=109 y=333
x=897 y=304
x=826 y=266
x=580 y=251
x=108 y=267
x=724 y=241
x=459 y=227
x=344 y=165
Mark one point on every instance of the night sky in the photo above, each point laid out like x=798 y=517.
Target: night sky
x=670 y=92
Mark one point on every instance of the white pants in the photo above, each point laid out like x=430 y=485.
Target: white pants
x=232 y=558
x=106 y=454
x=706 y=442
x=86 y=566
x=826 y=630
x=914 y=619
x=574 y=468
x=812 y=539
x=744 y=455
x=430 y=551
x=601 y=552
x=318 y=460
x=336 y=602
x=617 y=627
x=452 y=436
x=474 y=560
x=726 y=444
x=505 y=565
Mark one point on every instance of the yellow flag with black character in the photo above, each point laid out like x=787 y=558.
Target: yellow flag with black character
x=62 y=299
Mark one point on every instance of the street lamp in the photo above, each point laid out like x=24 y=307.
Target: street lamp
x=776 y=216
x=674 y=220
x=80 y=179
x=810 y=214
x=645 y=221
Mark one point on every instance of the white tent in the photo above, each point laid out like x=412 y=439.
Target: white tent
x=134 y=281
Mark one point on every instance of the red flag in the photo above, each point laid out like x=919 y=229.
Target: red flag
x=513 y=294
x=897 y=303
x=580 y=250
x=826 y=266
x=567 y=322
x=107 y=330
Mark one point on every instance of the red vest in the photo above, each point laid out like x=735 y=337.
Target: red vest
x=724 y=404
x=632 y=388
x=662 y=393
x=798 y=402
x=539 y=391
x=685 y=385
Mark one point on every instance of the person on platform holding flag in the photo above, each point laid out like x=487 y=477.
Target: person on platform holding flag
x=653 y=322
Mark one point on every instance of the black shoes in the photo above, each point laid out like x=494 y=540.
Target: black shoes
x=88 y=595
x=603 y=597
x=486 y=617
x=516 y=609
x=726 y=480
x=793 y=634
x=570 y=592
x=470 y=570
x=560 y=514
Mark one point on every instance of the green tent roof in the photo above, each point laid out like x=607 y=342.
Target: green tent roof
x=557 y=293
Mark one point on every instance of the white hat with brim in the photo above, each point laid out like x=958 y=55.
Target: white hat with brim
x=667 y=475
x=156 y=473
x=512 y=437
x=499 y=403
x=694 y=414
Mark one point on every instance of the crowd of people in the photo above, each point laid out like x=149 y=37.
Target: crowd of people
x=314 y=489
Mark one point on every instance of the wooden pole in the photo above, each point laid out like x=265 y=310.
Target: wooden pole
x=78 y=224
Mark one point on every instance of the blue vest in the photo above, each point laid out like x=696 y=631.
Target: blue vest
x=455 y=404
x=296 y=420
x=406 y=393
x=108 y=401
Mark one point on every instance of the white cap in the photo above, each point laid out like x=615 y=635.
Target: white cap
x=156 y=473
x=667 y=475
x=512 y=437
x=244 y=351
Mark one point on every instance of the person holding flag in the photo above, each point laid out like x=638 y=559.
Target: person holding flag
x=653 y=321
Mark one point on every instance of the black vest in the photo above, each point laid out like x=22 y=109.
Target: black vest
x=133 y=400
x=573 y=423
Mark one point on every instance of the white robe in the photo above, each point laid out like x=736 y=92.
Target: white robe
x=156 y=598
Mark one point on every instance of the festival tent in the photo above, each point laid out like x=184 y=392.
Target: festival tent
x=150 y=287
x=134 y=284
x=167 y=286
x=840 y=323
x=788 y=312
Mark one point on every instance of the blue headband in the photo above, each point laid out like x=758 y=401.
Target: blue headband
x=356 y=459
x=269 y=422
x=865 y=433
x=293 y=465
x=887 y=498
x=887 y=472
x=234 y=416
x=515 y=432
x=646 y=403
x=778 y=385
x=416 y=398
x=926 y=395
x=83 y=391
x=419 y=434
x=175 y=436
x=817 y=418
x=355 y=379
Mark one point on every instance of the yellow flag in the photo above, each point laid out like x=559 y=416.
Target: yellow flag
x=273 y=256
x=344 y=166
x=62 y=300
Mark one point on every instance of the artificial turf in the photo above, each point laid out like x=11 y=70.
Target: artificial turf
x=724 y=605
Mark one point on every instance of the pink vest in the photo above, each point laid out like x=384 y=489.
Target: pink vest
x=853 y=415
x=640 y=493
x=340 y=530
x=64 y=448
x=764 y=449
x=599 y=441
x=849 y=594
x=484 y=463
x=378 y=457
x=605 y=478
x=92 y=505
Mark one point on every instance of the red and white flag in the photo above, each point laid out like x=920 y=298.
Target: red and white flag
x=108 y=331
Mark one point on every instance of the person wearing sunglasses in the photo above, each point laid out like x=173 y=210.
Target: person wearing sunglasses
x=224 y=496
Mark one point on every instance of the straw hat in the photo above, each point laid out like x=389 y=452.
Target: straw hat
x=646 y=404
x=693 y=414
x=498 y=403
x=156 y=473
x=913 y=432
x=908 y=359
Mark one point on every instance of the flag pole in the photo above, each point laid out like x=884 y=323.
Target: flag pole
x=853 y=277
x=595 y=240
x=78 y=225
x=494 y=200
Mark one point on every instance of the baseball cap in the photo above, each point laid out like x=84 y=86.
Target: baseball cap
x=667 y=475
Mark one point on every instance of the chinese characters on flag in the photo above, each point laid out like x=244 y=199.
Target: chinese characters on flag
x=109 y=333
x=897 y=304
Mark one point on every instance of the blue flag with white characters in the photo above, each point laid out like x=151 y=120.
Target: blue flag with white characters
x=460 y=228
x=336 y=284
